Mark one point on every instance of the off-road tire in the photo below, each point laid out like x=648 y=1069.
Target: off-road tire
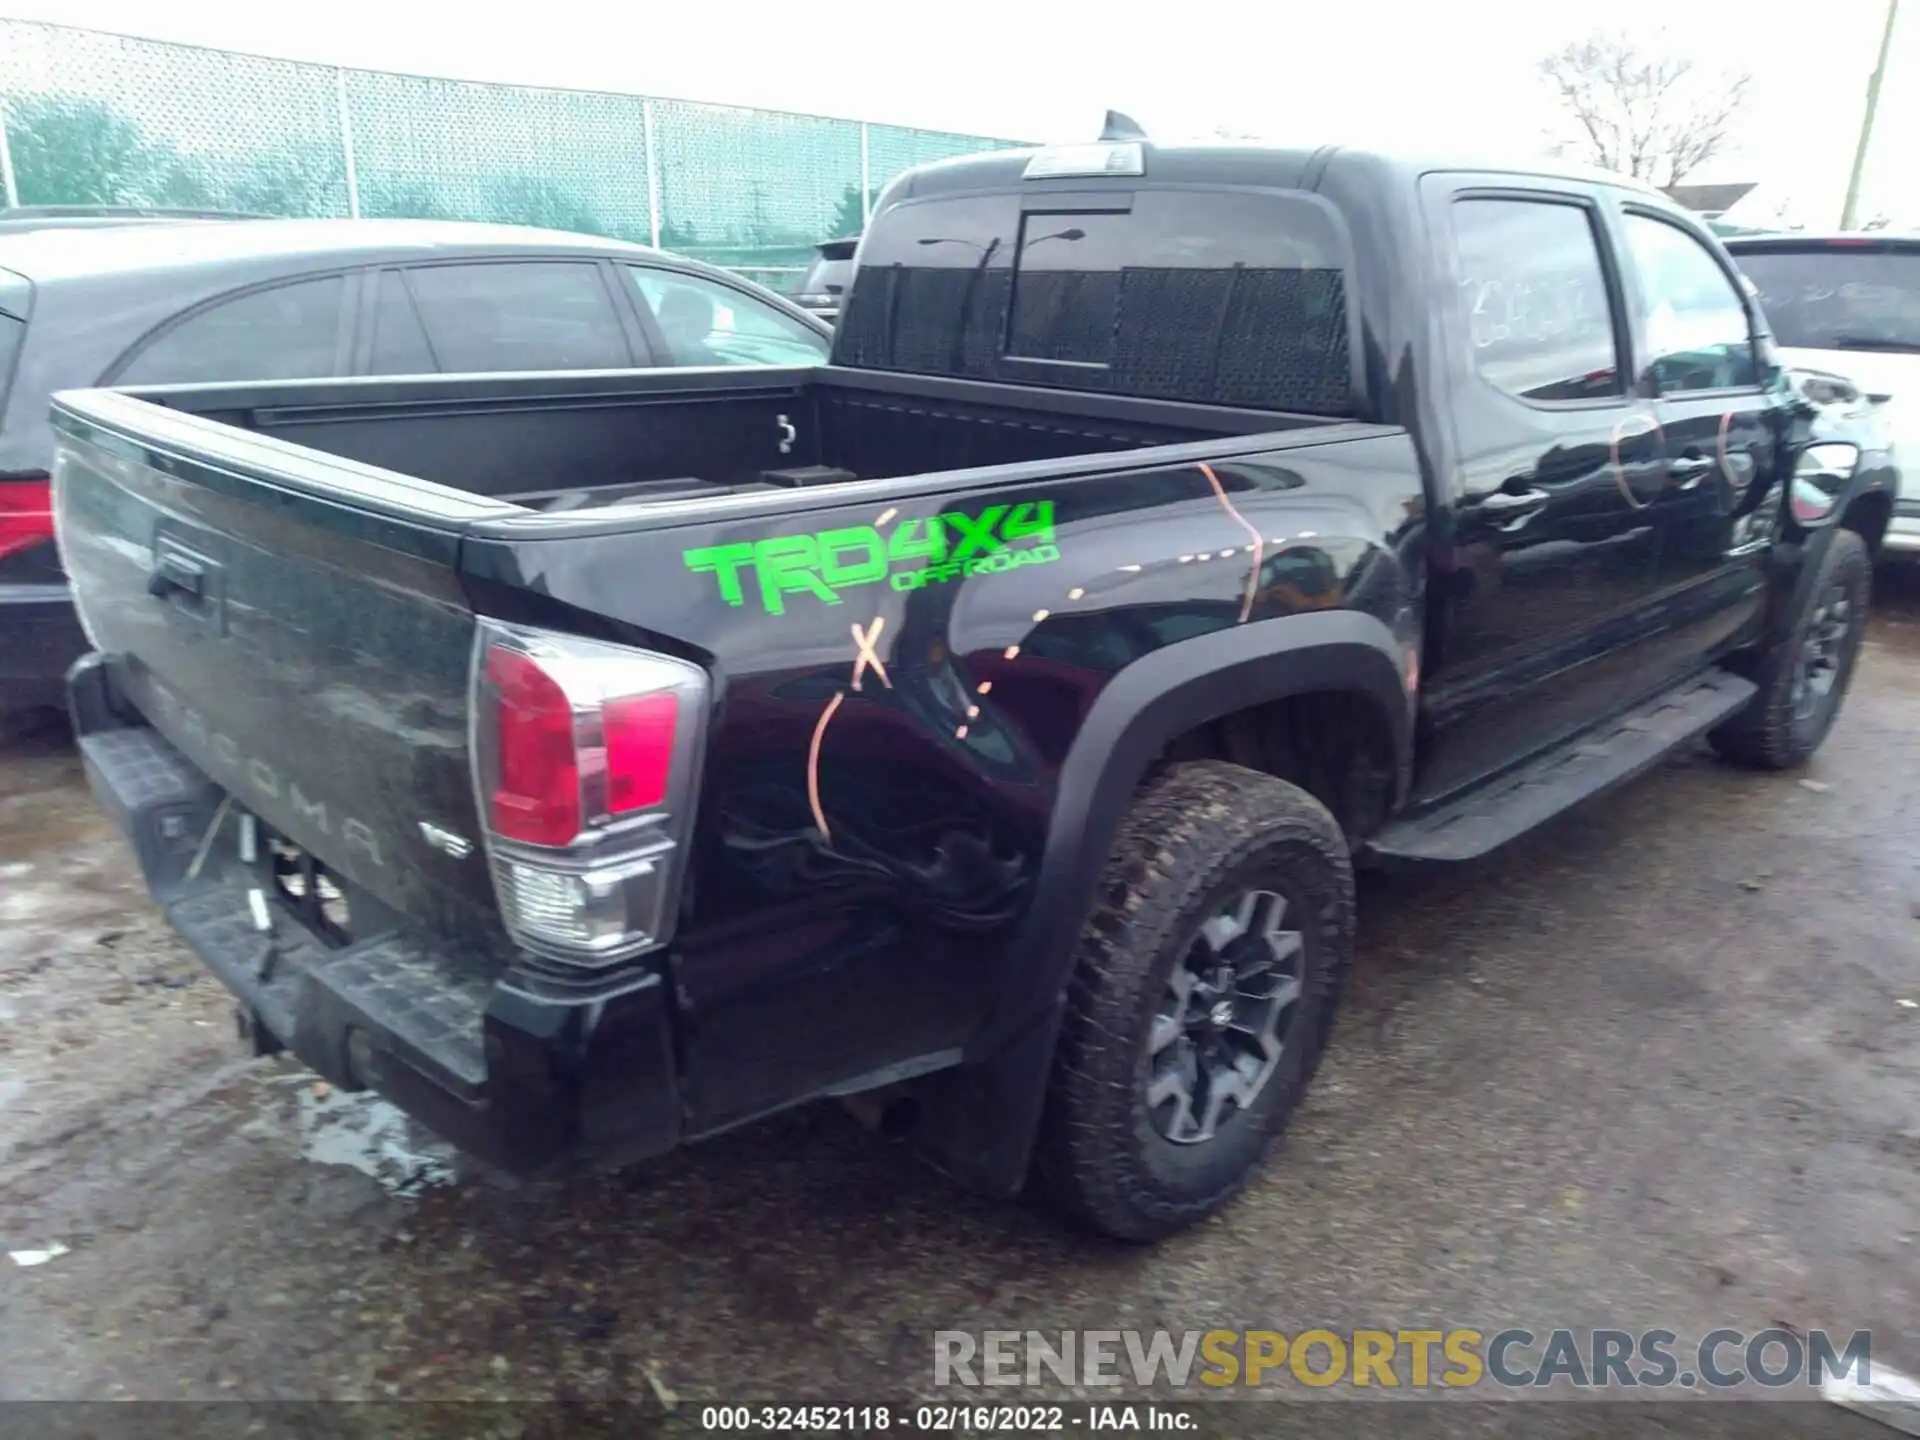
x=1767 y=734
x=1196 y=834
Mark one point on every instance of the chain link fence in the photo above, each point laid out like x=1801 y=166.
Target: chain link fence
x=95 y=119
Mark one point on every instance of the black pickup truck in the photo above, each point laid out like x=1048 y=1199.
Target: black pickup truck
x=988 y=723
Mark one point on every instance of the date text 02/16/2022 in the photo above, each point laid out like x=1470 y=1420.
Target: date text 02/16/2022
x=943 y=1419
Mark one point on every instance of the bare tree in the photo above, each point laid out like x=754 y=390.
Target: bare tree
x=1655 y=117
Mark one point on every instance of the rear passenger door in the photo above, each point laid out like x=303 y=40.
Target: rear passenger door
x=1534 y=611
x=495 y=316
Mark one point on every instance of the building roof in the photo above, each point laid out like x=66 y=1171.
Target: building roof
x=1709 y=199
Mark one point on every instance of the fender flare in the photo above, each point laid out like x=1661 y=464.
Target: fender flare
x=979 y=1120
x=1792 y=566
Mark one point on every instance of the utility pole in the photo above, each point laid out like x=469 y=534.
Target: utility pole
x=1847 y=212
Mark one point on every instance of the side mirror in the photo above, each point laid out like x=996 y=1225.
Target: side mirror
x=1819 y=476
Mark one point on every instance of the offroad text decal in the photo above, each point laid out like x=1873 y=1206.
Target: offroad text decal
x=916 y=553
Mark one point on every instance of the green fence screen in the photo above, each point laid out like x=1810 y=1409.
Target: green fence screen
x=96 y=119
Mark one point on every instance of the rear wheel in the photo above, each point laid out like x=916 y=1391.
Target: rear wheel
x=1804 y=677
x=1202 y=997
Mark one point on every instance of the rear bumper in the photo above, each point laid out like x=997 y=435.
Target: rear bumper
x=522 y=1081
x=40 y=637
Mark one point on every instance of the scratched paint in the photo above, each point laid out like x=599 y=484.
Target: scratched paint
x=1254 y=551
x=1613 y=455
x=813 y=766
x=866 y=655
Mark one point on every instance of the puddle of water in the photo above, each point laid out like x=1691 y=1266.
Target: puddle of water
x=365 y=1133
x=12 y=1087
x=18 y=907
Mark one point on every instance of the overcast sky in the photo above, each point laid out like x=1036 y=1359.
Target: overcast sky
x=1458 y=75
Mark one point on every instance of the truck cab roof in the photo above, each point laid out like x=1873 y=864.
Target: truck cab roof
x=1270 y=166
x=1272 y=278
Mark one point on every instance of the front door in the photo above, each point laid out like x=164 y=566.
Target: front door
x=1695 y=350
x=1535 y=610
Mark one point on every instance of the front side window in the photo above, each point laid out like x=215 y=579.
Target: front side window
x=1695 y=324
x=706 y=323
x=288 y=332
x=519 y=315
x=1534 y=306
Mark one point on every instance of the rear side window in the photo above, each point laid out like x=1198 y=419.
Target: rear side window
x=1534 y=307
x=288 y=332
x=519 y=315
x=1838 y=297
x=1216 y=297
x=399 y=343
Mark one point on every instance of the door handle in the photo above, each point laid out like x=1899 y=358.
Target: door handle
x=1688 y=469
x=1511 y=509
x=176 y=573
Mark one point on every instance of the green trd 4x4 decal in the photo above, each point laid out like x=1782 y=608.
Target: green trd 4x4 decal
x=916 y=553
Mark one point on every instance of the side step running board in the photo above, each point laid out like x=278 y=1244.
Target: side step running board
x=1482 y=821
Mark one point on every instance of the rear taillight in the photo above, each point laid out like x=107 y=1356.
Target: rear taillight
x=585 y=756
x=536 y=787
x=640 y=734
x=26 y=514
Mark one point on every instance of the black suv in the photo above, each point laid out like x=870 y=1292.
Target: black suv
x=827 y=277
x=253 y=299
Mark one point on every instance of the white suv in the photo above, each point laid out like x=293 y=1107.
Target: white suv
x=1849 y=305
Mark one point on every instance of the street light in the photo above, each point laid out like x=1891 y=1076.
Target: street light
x=1848 y=210
x=994 y=244
x=1074 y=234
x=974 y=273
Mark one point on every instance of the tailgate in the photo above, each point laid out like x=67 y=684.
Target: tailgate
x=294 y=624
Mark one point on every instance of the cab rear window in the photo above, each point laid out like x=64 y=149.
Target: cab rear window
x=1214 y=297
x=1837 y=297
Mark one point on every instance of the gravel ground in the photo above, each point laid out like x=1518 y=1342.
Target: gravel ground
x=1651 y=1070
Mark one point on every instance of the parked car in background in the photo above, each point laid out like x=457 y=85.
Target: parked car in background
x=827 y=278
x=20 y=218
x=300 y=299
x=1848 y=306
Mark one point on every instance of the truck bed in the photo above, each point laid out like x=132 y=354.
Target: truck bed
x=564 y=443
x=315 y=554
